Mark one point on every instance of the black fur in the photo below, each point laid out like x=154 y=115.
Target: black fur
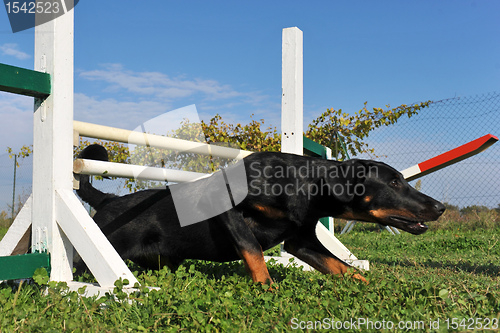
x=144 y=226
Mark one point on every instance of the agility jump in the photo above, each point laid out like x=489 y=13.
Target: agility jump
x=58 y=220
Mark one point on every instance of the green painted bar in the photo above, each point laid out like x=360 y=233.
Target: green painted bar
x=326 y=222
x=24 y=81
x=314 y=148
x=23 y=266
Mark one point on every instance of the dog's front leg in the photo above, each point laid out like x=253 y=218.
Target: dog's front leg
x=256 y=266
x=246 y=245
x=309 y=249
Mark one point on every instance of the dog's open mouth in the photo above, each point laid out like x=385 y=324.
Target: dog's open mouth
x=413 y=227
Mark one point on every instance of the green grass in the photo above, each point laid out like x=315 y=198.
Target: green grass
x=435 y=276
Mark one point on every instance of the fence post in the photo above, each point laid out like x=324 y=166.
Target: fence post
x=14 y=189
x=52 y=148
x=292 y=98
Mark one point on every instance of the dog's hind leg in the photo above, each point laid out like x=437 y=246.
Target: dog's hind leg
x=308 y=248
x=246 y=245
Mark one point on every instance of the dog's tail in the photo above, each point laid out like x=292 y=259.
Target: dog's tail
x=86 y=191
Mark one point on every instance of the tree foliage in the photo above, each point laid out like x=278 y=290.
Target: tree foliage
x=25 y=151
x=248 y=137
x=334 y=126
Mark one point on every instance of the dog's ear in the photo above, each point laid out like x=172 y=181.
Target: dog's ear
x=94 y=152
x=345 y=179
x=348 y=181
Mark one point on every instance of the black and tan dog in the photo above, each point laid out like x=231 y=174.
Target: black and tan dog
x=281 y=199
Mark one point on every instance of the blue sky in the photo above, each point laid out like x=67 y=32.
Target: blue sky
x=135 y=60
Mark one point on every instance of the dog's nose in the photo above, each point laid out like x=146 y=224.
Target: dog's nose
x=439 y=207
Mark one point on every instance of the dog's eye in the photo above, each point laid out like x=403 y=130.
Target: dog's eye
x=395 y=183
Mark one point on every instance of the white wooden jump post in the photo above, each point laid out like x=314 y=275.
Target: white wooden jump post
x=292 y=127
x=292 y=98
x=58 y=219
x=56 y=210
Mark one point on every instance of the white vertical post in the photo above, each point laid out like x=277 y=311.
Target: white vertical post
x=331 y=225
x=292 y=92
x=52 y=141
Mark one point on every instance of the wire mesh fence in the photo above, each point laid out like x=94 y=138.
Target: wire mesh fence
x=444 y=125
x=15 y=186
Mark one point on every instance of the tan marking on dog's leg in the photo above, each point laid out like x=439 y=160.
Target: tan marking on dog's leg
x=335 y=266
x=338 y=267
x=256 y=267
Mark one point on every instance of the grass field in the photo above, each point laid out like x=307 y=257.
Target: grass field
x=447 y=279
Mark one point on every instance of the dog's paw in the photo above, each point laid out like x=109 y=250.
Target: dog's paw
x=360 y=277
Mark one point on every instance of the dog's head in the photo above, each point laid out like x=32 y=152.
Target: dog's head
x=380 y=194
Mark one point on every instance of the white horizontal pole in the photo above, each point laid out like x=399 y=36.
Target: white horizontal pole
x=110 y=169
x=157 y=141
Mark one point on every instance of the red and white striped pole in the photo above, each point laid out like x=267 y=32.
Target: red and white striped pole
x=450 y=157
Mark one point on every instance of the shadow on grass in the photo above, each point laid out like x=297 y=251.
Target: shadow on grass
x=216 y=270
x=490 y=269
x=212 y=270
